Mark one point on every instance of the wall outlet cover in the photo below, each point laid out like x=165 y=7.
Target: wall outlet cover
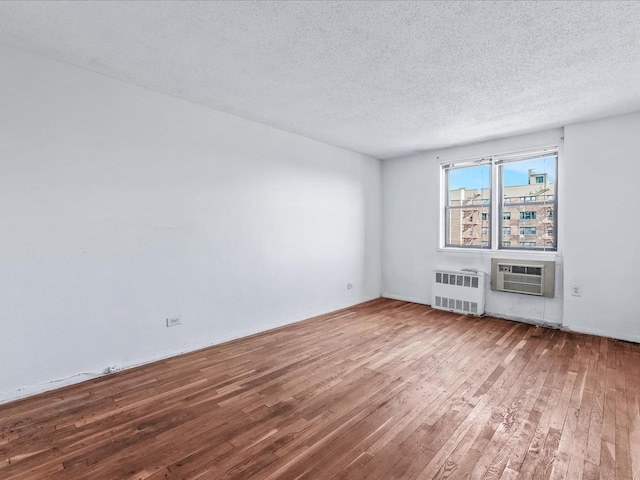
x=173 y=321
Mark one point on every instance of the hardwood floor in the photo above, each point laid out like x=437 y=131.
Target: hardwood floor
x=384 y=390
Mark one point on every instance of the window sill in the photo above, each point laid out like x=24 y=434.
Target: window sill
x=552 y=255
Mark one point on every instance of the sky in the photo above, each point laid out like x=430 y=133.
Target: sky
x=515 y=173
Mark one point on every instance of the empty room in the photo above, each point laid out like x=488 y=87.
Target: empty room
x=319 y=240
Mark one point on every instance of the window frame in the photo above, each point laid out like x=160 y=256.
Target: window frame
x=497 y=202
x=446 y=208
x=525 y=202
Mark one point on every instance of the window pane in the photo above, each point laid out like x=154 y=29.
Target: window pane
x=468 y=206
x=529 y=193
x=469 y=185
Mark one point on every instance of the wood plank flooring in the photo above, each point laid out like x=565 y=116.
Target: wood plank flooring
x=383 y=390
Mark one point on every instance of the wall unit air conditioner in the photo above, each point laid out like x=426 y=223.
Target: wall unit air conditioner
x=461 y=292
x=523 y=276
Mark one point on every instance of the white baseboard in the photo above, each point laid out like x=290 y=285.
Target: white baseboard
x=29 y=390
x=603 y=333
x=422 y=301
x=531 y=321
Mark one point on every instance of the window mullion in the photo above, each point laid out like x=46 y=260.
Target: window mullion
x=496 y=210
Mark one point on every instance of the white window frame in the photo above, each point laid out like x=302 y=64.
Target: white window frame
x=444 y=198
x=496 y=211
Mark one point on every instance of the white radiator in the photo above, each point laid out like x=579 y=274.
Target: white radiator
x=461 y=292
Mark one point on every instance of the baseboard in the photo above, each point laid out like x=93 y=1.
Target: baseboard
x=602 y=333
x=422 y=301
x=530 y=321
x=30 y=390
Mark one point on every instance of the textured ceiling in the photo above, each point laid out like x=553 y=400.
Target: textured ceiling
x=381 y=78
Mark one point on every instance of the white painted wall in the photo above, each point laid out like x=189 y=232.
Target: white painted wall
x=598 y=190
x=411 y=216
x=602 y=245
x=120 y=207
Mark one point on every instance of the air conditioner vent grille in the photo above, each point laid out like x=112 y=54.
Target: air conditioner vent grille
x=535 y=280
x=522 y=288
x=526 y=270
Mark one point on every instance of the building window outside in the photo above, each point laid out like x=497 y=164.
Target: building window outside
x=526 y=188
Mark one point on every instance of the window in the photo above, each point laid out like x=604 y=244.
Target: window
x=478 y=194
x=468 y=197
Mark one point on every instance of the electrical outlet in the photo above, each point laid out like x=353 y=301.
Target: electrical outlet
x=110 y=369
x=576 y=290
x=349 y=286
x=172 y=322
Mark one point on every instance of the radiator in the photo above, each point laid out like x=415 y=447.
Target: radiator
x=461 y=292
